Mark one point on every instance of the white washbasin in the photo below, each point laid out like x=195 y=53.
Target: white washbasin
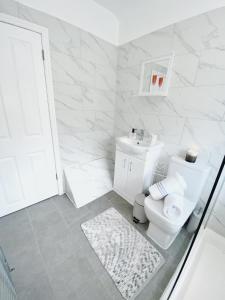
x=132 y=146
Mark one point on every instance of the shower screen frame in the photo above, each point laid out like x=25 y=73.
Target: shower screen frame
x=202 y=223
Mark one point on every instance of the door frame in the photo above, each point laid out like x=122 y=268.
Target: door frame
x=4 y=18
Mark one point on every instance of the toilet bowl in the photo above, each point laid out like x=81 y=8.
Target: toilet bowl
x=162 y=230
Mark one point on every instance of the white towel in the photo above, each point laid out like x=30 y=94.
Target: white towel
x=173 y=206
x=171 y=185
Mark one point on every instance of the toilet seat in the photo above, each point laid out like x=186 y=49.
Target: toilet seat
x=155 y=209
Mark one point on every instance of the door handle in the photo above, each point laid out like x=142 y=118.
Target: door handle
x=130 y=165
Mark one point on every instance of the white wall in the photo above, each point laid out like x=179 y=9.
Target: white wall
x=142 y=17
x=85 y=14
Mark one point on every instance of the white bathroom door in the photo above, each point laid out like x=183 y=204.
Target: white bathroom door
x=27 y=163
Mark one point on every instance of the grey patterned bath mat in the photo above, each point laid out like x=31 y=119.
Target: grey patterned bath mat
x=128 y=257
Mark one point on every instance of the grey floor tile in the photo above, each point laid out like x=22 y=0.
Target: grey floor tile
x=28 y=264
x=14 y=221
x=9 y=221
x=63 y=202
x=39 y=289
x=148 y=293
x=83 y=247
x=99 y=205
x=109 y=286
x=95 y=291
x=49 y=229
x=51 y=219
x=16 y=233
x=110 y=195
x=70 y=213
x=57 y=252
x=42 y=209
x=68 y=276
x=95 y=263
x=17 y=241
x=123 y=207
x=54 y=260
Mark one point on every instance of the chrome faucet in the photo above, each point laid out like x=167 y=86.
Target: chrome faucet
x=139 y=134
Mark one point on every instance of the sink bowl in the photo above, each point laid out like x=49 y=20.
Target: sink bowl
x=132 y=146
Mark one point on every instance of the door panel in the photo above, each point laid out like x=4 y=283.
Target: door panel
x=25 y=73
x=4 y=129
x=120 y=174
x=38 y=163
x=9 y=177
x=26 y=148
x=134 y=183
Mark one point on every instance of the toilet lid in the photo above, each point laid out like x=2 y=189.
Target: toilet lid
x=156 y=207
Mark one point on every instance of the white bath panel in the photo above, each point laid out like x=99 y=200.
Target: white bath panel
x=203 y=275
x=89 y=181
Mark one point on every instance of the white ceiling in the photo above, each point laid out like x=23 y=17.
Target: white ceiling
x=119 y=8
x=139 y=17
x=120 y=21
x=85 y=14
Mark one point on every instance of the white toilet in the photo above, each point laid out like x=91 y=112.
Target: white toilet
x=162 y=230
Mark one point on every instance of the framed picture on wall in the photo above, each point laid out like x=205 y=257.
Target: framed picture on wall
x=155 y=76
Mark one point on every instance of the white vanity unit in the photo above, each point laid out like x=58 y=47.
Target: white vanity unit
x=135 y=165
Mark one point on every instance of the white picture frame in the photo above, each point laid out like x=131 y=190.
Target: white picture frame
x=155 y=76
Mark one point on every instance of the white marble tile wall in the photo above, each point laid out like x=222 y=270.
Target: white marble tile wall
x=194 y=110
x=84 y=75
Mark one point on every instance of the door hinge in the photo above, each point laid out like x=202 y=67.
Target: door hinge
x=43 y=54
x=56 y=176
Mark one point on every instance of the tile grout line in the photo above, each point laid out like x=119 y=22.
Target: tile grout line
x=61 y=214
x=39 y=250
x=68 y=225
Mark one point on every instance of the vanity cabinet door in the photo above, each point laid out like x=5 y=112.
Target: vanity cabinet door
x=134 y=183
x=120 y=173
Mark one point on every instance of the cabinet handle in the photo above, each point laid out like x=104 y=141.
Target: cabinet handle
x=130 y=165
x=124 y=163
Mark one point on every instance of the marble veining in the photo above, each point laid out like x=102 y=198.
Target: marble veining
x=194 y=110
x=96 y=89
